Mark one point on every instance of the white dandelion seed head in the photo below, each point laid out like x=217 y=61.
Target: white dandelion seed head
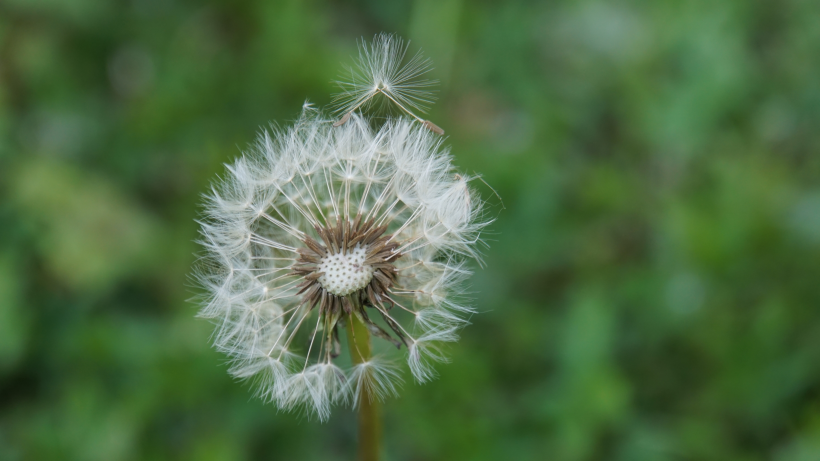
x=320 y=222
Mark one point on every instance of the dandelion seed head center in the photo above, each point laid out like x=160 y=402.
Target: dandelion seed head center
x=345 y=273
x=352 y=258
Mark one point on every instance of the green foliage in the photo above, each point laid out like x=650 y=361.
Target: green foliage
x=651 y=284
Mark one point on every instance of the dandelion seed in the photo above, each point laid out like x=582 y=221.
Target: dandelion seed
x=322 y=224
x=379 y=70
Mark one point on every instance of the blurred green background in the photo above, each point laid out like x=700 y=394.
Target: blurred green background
x=651 y=289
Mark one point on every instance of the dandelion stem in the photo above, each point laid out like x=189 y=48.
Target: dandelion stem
x=369 y=417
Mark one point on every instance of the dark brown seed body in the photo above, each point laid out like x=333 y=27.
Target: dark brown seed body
x=380 y=254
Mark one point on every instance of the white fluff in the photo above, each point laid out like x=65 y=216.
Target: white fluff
x=310 y=174
x=380 y=68
x=374 y=378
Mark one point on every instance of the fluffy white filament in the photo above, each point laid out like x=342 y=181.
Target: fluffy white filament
x=380 y=69
x=309 y=175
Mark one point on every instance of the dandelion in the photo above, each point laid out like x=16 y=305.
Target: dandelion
x=321 y=228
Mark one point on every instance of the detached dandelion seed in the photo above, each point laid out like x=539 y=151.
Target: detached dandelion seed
x=323 y=226
x=380 y=70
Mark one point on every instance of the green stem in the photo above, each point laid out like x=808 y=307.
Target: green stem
x=369 y=418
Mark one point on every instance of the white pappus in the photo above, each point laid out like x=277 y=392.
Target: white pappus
x=320 y=222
